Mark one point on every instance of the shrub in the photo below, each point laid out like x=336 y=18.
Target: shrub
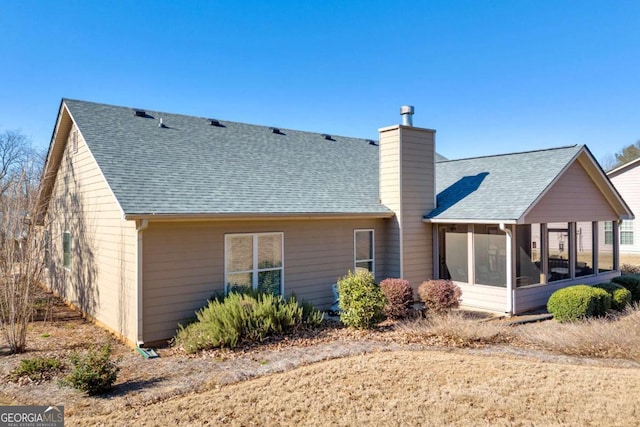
x=399 y=297
x=37 y=369
x=629 y=269
x=440 y=295
x=620 y=296
x=93 y=373
x=578 y=302
x=244 y=317
x=361 y=300
x=632 y=283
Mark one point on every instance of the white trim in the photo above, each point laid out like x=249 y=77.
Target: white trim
x=255 y=270
x=140 y=227
x=373 y=249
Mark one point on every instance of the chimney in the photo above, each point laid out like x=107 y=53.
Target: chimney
x=407 y=186
x=406 y=111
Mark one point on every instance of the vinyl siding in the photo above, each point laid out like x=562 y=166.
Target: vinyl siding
x=493 y=298
x=627 y=183
x=574 y=197
x=407 y=186
x=102 y=278
x=184 y=263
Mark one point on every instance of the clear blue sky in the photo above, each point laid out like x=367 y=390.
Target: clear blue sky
x=490 y=76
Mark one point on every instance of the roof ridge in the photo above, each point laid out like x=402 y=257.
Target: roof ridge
x=512 y=153
x=223 y=121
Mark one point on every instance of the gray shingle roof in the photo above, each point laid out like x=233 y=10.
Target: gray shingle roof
x=192 y=167
x=497 y=188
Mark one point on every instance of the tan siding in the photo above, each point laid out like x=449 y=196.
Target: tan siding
x=574 y=197
x=103 y=277
x=184 y=263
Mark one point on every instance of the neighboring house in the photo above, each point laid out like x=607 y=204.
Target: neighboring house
x=626 y=179
x=149 y=214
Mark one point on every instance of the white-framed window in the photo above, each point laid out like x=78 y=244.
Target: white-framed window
x=66 y=249
x=363 y=250
x=254 y=261
x=608 y=233
x=626 y=232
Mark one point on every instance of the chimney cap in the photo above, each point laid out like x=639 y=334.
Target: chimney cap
x=406 y=111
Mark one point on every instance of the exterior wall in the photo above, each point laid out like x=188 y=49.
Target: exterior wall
x=537 y=296
x=184 y=263
x=627 y=182
x=102 y=278
x=574 y=197
x=407 y=186
x=492 y=298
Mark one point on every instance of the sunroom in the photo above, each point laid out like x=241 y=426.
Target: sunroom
x=512 y=229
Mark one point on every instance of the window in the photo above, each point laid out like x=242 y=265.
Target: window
x=66 y=249
x=626 y=232
x=608 y=233
x=363 y=250
x=254 y=261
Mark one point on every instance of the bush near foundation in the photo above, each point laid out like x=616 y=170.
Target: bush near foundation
x=440 y=295
x=620 y=296
x=632 y=283
x=244 y=317
x=399 y=297
x=94 y=373
x=360 y=299
x=578 y=302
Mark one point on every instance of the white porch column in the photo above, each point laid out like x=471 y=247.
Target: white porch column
x=509 y=272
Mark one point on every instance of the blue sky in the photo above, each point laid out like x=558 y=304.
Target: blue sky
x=489 y=76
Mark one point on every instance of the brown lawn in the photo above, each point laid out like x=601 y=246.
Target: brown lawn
x=408 y=388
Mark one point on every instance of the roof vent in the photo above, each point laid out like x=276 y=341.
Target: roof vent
x=276 y=130
x=160 y=124
x=371 y=142
x=406 y=111
x=327 y=137
x=139 y=113
x=216 y=123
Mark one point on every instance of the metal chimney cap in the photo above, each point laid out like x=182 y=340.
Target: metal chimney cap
x=406 y=109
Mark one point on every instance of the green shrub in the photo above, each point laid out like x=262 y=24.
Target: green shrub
x=620 y=296
x=399 y=297
x=360 y=300
x=38 y=368
x=440 y=295
x=244 y=317
x=94 y=373
x=632 y=283
x=578 y=302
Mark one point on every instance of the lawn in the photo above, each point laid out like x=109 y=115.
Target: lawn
x=459 y=370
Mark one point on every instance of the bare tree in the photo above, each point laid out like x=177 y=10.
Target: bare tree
x=21 y=247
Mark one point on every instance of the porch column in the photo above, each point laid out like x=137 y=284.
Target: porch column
x=509 y=270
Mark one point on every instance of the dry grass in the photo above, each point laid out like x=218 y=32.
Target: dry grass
x=407 y=388
x=456 y=329
x=614 y=337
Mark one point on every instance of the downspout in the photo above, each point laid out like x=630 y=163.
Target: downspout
x=510 y=290
x=141 y=225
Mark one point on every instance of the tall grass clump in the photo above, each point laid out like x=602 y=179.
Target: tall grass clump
x=615 y=336
x=399 y=297
x=455 y=329
x=578 y=302
x=440 y=295
x=244 y=317
x=360 y=299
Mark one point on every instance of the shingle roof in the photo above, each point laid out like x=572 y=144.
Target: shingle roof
x=497 y=188
x=192 y=167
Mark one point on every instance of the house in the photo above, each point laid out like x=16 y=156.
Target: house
x=626 y=179
x=149 y=214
